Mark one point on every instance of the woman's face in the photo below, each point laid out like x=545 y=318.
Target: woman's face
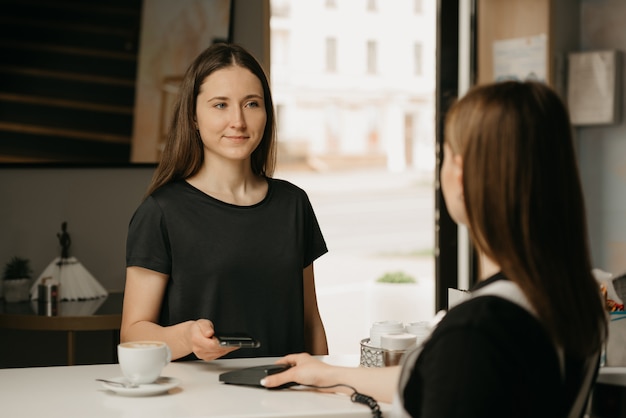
x=230 y=113
x=452 y=184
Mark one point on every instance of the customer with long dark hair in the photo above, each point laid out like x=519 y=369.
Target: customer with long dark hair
x=527 y=341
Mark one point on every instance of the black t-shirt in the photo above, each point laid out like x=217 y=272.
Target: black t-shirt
x=239 y=266
x=488 y=357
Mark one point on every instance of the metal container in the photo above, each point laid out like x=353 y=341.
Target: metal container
x=48 y=297
x=379 y=357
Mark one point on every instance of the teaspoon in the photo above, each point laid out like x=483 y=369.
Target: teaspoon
x=121 y=384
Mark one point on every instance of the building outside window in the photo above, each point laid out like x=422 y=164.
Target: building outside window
x=356 y=130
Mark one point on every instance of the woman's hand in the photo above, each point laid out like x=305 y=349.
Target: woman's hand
x=304 y=370
x=204 y=344
x=143 y=296
x=377 y=382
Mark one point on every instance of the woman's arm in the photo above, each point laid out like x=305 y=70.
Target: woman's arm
x=377 y=382
x=314 y=333
x=143 y=296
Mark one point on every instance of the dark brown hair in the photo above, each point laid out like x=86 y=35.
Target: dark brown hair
x=525 y=206
x=183 y=153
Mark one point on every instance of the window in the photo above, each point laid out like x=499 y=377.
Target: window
x=359 y=137
x=371 y=57
x=331 y=55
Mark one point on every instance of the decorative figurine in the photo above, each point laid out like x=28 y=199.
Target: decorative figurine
x=76 y=283
x=65 y=241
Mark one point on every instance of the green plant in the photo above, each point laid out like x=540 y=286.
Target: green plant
x=17 y=268
x=396 y=277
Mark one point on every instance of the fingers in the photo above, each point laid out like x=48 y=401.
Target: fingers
x=203 y=342
x=214 y=353
x=209 y=349
x=293 y=359
x=206 y=328
x=296 y=373
x=279 y=379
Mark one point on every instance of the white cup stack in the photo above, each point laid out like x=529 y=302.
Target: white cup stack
x=390 y=340
x=381 y=328
x=397 y=341
x=420 y=329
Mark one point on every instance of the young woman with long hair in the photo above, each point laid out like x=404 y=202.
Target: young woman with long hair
x=218 y=246
x=527 y=341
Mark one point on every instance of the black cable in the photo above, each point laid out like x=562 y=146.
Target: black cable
x=369 y=401
x=356 y=397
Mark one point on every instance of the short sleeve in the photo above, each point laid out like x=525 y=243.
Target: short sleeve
x=315 y=245
x=147 y=243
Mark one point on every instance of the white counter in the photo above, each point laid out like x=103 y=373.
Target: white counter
x=71 y=391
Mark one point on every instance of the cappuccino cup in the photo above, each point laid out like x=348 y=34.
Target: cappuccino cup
x=143 y=361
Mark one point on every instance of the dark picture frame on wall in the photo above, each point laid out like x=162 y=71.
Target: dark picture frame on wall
x=93 y=83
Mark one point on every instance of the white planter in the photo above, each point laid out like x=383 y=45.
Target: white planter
x=17 y=290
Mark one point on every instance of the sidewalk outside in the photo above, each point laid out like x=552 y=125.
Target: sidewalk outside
x=374 y=222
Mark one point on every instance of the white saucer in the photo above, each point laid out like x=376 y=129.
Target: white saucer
x=162 y=385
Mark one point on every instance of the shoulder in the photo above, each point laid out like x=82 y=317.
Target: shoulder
x=284 y=184
x=163 y=199
x=168 y=190
x=173 y=193
x=491 y=330
x=285 y=187
x=493 y=325
x=489 y=313
x=496 y=312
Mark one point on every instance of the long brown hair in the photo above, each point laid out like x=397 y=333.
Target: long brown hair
x=183 y=153
x=525 y=206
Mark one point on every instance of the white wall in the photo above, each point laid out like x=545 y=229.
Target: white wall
x=97 y=203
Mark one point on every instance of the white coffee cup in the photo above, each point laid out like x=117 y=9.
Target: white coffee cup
x=143 y=361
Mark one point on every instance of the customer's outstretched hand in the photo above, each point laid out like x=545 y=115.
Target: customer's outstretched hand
x=204 y=344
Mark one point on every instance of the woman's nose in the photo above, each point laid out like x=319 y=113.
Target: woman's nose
x=237 y=118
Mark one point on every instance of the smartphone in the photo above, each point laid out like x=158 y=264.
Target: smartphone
x=238 y=340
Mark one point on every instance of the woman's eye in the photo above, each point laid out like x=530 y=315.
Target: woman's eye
x=252 y=104
x=220 y=105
